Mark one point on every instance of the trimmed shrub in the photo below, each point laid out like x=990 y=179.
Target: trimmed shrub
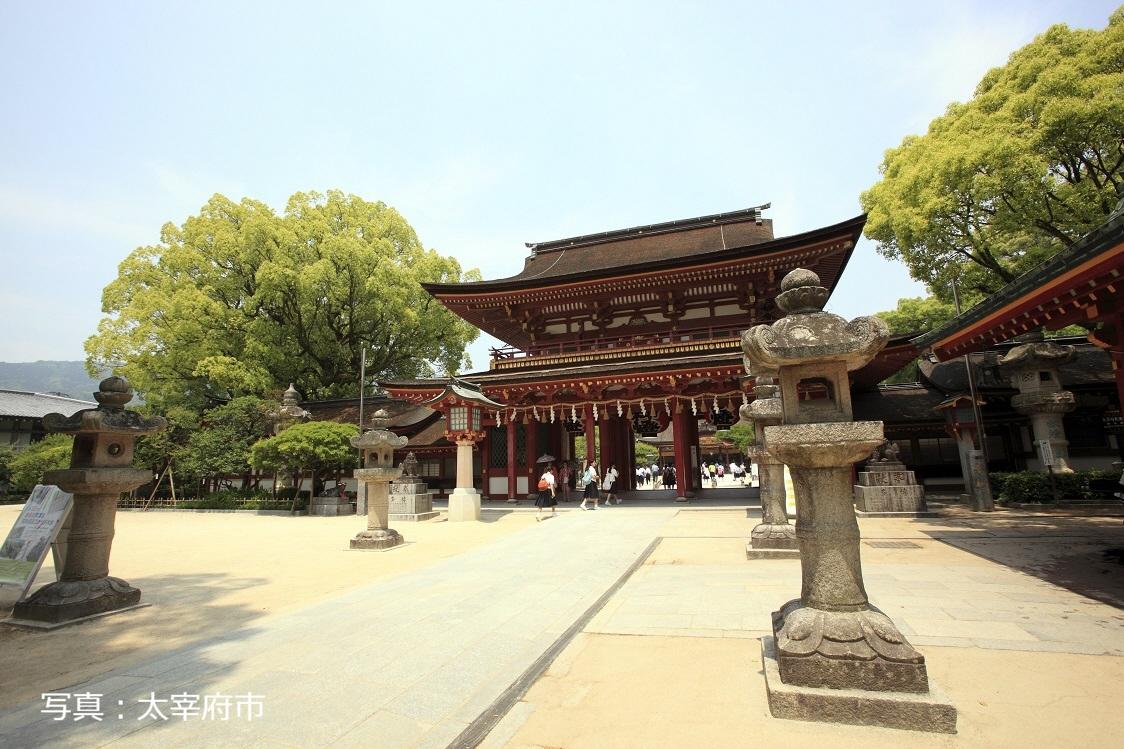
x=1034 y=487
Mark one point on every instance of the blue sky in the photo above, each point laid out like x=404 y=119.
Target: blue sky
x=486 y=124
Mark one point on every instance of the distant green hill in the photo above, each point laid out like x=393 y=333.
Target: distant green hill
x=68 y=377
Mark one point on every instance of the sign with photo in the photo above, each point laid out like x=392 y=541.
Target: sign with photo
x=31 y=537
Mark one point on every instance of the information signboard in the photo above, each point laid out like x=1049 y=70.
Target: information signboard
x=27 y=543
x=1046 y=451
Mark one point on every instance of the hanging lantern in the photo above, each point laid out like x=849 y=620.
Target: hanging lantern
x=645 y=426
x=723 y=419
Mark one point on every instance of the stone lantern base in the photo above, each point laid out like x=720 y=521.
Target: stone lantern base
x=379 y=538
x=65 y=601
x=929 y=711
x=772 y=541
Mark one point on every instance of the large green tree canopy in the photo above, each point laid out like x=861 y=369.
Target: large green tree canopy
x=239 y=300
x=1026 y=167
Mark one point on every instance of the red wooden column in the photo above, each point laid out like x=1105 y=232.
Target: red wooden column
x=692 y=469
x=629 y=452
x=485 y=461
x=682 y=434
x=532 y=454
x=590 y=436
x=609 y=443
x=511 y=427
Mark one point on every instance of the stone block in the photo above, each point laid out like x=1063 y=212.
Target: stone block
x=331 y=506
x=752 y=553
x=901 y=498
x=930 y=711
x=411 y=500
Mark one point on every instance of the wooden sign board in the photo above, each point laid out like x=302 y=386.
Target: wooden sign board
x=31 y=537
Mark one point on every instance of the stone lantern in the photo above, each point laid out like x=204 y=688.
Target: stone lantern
x=1033 y=369
x=377 y=446
x=774 y=537
x=960 y=422
x=290 y=412
x=833 y=656
x=100 y=470
x=463 y=405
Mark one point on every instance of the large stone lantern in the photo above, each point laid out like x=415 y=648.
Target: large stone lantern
x=377 y=446
x=833 y=656
x=100 y=470
x=1033 y=368
x=464 y=405
x=774 y=537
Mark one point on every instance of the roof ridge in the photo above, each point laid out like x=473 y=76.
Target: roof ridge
x=684 y=224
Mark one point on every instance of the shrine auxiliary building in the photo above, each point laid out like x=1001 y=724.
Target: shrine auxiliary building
x=620 y=334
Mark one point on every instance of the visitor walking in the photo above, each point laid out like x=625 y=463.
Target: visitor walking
x=607 y=485
x=669 y=477
x=546 y=496
x=590 y=486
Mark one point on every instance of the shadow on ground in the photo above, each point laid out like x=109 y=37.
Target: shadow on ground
x=183 y=612
x=1082 y=554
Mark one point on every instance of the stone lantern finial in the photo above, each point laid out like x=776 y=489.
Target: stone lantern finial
x=801 y=292
x=380 y=419
x=113 y=393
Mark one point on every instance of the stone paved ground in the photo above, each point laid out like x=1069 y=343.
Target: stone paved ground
x=404 y=662
x=673 y=659
x=1014 y=613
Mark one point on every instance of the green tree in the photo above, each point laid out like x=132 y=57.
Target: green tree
x=646 y=454
x=239 y=300
x=27 y=468
x=167 y=449
x=917 y=315
x=316 y=446
x=221 y=446
x=741 y=434
x=1025 y=168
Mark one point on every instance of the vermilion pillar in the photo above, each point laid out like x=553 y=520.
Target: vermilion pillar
x=609 y=443
x=590 y=436
x=511 y=427
x=682 y=435
x=532 y=454
x=629 y=452
x=485 y=461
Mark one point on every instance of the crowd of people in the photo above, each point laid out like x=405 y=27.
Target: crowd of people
x=600 y=490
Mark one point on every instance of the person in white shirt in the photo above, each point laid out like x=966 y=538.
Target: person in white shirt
x=607 y=485
x=546 y=496
x=592 y=486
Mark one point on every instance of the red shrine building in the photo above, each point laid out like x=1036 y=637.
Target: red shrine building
x=617 y=335
x=636 y=333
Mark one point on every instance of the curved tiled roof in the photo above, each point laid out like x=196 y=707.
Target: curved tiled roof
x=22 y=404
